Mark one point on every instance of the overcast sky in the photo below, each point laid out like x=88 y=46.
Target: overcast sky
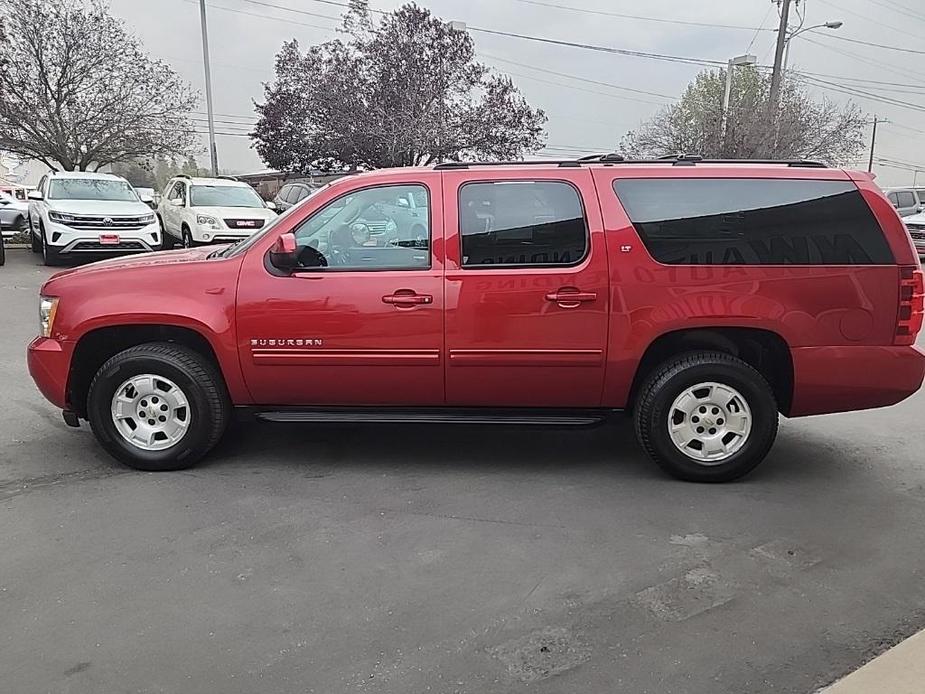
x=584 y=117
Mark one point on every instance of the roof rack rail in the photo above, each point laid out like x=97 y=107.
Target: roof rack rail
x=617 y=159
x=182 y=175
x=227 y=177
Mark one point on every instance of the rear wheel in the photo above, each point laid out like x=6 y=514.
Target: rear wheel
x=706 y=417
x=2 y=251
x=158 y=406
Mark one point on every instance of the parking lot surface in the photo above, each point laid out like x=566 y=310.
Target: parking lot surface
x=446 y=559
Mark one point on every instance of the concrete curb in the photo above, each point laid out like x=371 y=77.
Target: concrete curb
x=901 y=670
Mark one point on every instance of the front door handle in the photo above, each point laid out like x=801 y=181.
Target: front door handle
x=406 y=297
x=569 y=297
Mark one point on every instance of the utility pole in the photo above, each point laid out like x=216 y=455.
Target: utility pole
x=213 y=153
x=727 y=95
x=873 y=142
x=782 y=35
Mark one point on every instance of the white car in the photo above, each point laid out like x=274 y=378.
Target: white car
x=916 y=226
x=81 y=214
x=194 y=211
x=13 y=214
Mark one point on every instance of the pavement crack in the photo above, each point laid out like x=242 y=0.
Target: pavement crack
x=473 y=519
x=18 y=487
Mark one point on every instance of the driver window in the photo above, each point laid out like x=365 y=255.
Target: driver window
x=381 y=228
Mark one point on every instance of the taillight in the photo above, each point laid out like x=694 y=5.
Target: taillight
x=911 y=304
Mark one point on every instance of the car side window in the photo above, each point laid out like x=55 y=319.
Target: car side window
x=366 y=229
x=285 y=193
x=521 y=223
x=893 y=198
x=906 y=199
x=301 y=192
x=41 y=186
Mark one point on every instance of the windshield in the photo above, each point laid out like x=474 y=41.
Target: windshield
x=91 y=189
x=224 y=196
x=242 y=246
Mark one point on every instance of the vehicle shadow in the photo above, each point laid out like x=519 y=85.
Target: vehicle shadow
x=609 y=449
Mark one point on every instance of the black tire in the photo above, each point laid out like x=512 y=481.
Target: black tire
x=167 y=242
x=188 y=241
x=2 y=252
x=197 y=377
x=669 y=380
x=19 y=224
x=34 y=242
x=49 y=255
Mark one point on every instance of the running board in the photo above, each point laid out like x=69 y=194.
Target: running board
x=435 y=415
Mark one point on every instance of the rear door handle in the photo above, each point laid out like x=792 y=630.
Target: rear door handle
x=570 y=298
x=401 y=298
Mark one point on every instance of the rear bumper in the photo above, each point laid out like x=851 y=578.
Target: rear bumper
x=841 y=379
x=49 y=365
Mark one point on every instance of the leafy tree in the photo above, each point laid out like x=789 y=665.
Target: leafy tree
x=801 y=127
x=78 y=92
x=406 y=92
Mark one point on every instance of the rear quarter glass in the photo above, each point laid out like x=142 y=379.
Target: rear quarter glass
x=751 y=221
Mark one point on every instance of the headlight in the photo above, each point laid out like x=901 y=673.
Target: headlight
x=60 y=217
x=205 y=220
x=48 y=307
x=147 y=219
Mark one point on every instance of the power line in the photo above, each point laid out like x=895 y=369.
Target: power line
x=263 y=16
x=869 y=19
x=899 y=9
x=866 y=60
x=292 y=9
x=868 y=43
x=852 y=91
x=760 y=28
x=576 y=77
x=606 y=13
x=583 y=89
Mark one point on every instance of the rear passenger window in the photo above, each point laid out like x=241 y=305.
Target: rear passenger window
x=521 y=223
x=906 y=199
x=753 y=222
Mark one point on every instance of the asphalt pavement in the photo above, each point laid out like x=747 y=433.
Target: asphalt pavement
x=407 y=559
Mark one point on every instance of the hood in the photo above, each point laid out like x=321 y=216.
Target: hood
x=141 y=260
x=916 y=219
x=99 y=207
x=236 y=212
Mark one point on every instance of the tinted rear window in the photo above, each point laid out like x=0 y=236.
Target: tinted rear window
x=753 y=222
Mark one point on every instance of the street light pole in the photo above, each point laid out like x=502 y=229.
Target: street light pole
x=825 y=25
x=727 y=95
x=213 y=153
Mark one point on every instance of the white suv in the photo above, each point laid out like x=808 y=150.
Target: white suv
x=210 y=210
x=79 y=214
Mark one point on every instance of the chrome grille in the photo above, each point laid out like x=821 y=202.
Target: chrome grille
x=376 y=227
x=244 y=224
x=106 y=224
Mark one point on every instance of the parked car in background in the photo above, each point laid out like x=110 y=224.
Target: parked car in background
x=194 y=211
x=905 y=200
x=292 y=194
x=76 y=214
x=916 y=226
x=14 y=214
x=703 y=298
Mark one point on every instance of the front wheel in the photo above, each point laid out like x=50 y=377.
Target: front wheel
x=158 y=406
x=706 y=417
x=2 y=251
x=35 y=243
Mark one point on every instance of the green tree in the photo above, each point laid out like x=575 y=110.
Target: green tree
x=800 y=128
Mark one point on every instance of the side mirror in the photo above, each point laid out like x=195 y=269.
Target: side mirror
x=147 y=199
x=271 y=205
x=177 y=202
x=4 y=201
x=402 y=202
x=284 y=255
x=35 y=195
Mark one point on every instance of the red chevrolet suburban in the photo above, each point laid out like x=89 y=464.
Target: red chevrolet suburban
x=703 y=297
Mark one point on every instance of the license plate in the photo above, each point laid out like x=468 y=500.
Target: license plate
x=109 y=239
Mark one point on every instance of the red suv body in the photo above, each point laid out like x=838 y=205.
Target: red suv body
x=703 y=297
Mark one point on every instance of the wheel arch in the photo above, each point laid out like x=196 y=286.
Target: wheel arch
x=765 y=350
x=96 y=346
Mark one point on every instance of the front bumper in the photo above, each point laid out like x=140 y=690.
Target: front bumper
x=843 y=379
x=67 y=241
x=207 y=235
x=49 y=363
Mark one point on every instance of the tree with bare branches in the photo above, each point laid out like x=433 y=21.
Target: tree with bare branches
x=404 y=92
x=802 y=128
x=78 y=92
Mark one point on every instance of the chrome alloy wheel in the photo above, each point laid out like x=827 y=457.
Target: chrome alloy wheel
x=709 y=422
x=150 y=412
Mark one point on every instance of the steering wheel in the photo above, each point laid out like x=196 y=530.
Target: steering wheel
x=310 y=256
